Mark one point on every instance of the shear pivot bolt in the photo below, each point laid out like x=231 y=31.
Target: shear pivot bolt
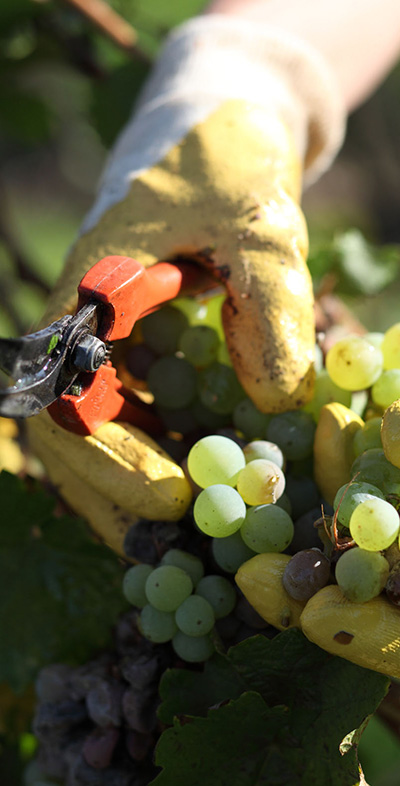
x=89 y=354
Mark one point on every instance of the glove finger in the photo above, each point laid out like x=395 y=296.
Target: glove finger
x=119 y=462
x=364 y=633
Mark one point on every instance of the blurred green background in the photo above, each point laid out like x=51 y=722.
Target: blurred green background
x=66 y=89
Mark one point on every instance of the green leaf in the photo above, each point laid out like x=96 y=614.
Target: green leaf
x=287 y=670
x=236 y=744
x=59 y=591
x=364 y=268
x=113 y=98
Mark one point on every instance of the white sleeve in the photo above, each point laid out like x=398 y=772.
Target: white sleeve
x=214 y=58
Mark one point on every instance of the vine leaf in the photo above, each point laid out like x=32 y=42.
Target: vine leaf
x=60 y=592
x=294 y=701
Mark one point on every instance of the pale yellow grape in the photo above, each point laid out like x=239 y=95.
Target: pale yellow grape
x=387 y=388
x=215 y=459
x=391 y=347
x=260 y=482
x=354 y=364
x=374 y=524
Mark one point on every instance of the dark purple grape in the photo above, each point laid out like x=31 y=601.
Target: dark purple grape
x=85 y=677
x=139 y=708
x=139 y=359
x=103 y=703
x=140 y=670
x=52 y=683
x=52 y=721
x=393 y=585
x=99 y=747
x=306 y=573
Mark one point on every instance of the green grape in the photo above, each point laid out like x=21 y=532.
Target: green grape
x=220 y=594
x=373 y=467
x=219 y=511
x=350 y=495
x=214 y=314
x=195 y=616
x=374 y=524
x=161 y=330
x=223 y=355
x=199 y=345
x=353 y=363
x=375 y=338
x=249 y=420
x=267 y=528
x=303 y=494
x=391 y=347
x=231 y=552
x=205 y=417
x=193 y=649
x=180 y=420
x=387 y=388
x=157 y=626
x=172 y=381
x=192 y=565
x=262 y=449
x=215 y=459
x=294 y=433
x=369 y=436
x=219 y=389
x=194 y=310
x=261 y=481
x=361 y=575
x=167 y=587
x=326 y=392
x=134 y=584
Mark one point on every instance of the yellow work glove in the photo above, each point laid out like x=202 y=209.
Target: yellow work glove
x=210 y=167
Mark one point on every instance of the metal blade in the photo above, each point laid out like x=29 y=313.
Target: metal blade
x=39 y=364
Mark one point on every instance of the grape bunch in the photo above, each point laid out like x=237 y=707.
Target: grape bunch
x=252 y=476
x=96 y=724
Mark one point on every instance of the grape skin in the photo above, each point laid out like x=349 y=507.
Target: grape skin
x=167 y=587
x=219 y=511
x=354 y=364
x=214 y=460
x=192 y=649
x=306 y=573
x=219 y=593
x=374 y=524
x=157 y=626
x=134 y=583
x=361 y=574
x=261 y=481
x=349 y=496
x=267 y=528
x=195 y=616
x=231 y=552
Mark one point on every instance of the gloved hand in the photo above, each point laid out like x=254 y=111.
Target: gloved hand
x=210 y=167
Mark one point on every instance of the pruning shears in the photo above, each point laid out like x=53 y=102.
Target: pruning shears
x=65 y=367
